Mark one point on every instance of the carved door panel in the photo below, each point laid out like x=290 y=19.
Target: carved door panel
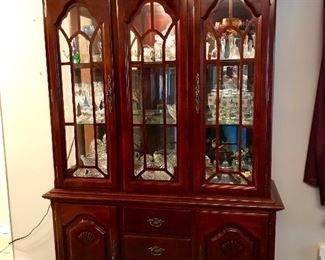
x=85 y=232
x=232 y=236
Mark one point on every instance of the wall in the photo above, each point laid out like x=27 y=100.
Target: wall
x=5 y=227
x=297 y=60
x=27 y=134
x=28 y=140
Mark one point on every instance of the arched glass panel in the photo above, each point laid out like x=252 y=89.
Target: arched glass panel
x=211 y=47
x=80 y=49
x=249 y=43
x=64 y=48
x=170 y=46
x=142 y=21
x=230 y=12
x=162 y=20
x=154 y=95
x=230 y=60
x=135 y=47
x=82 y=79
x=97 y=49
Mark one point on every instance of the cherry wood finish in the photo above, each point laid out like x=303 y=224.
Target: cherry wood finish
x=156 y=221
x=178 y=10
x=141 y=247
x=54 y=12
x=85 y=231
x=121 y=217
x=233 y=235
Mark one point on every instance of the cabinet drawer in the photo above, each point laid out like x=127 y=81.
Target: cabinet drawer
x=157 y=221
x=146 y=248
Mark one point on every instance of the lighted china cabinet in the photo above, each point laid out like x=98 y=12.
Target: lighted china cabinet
x=161 y=125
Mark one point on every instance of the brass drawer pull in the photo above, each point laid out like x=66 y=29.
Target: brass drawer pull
x=155 y=222
x=156 y=250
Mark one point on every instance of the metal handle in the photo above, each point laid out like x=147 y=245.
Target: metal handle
x=110 y=93
x=155 y=222
x=156 y=250
x=197 y=93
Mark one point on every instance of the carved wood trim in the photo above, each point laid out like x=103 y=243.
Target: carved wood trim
x=86 y=237
x=231 y=242
x=232 y=248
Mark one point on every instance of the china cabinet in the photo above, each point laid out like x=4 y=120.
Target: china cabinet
x=161 y=128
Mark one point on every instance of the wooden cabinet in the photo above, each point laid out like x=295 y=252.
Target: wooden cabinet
x=161 y=124
x=86 y=232
x=234 y=235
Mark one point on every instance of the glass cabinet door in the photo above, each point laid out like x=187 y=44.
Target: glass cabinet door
x=153 y=37
x=230 y=33
x=85 y=95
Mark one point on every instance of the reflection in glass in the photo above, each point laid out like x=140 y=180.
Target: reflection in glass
x=210 y=152
x=142 y=21
x=152 y=47
x=88 y=150
x=87 y=23
x=229 y=95
x=153 y=94
x=102 y=146
x=69 y=23
x=170 y=46
x=67 y=94
x=78 y=19
x=70 y=143
x=170 y=94
x=224 y=15
x=97 y=53
x=171 y=146
x=86 y=145
x=152 y=38
x=99 y=95
x=64 y=48
x=247 y=153
x=211 y=90
x=225 y=153
x=161 y=20
x=136 y=95
x=228 y=149
x=249 y=43
x=80 y=49
x=211 y=47
x=226 y=178
x=138 y=149
x=230 y=46
x=83 y=96
x=248 y=94
x=241 y=12
x=135 y=47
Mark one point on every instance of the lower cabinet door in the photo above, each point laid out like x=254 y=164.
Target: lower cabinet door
x=233 y=236
x=136 y=247
x=85 y=232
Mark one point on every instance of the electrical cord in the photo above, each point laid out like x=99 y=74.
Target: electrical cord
x=23 y=237
x=47 y=211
